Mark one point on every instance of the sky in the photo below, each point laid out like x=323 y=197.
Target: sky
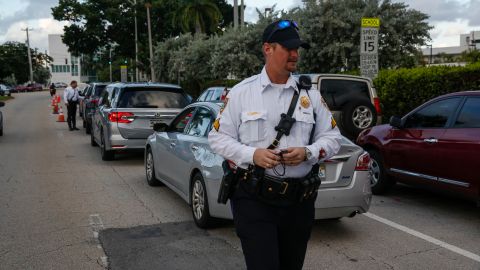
x=450 y=18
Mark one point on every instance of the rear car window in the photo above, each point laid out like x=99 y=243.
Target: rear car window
x=99 y=90
x=334 y=91
x=152 y=98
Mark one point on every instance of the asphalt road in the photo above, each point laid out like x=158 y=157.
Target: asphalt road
x=62 y=207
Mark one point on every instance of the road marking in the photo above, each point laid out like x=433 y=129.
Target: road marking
x=97 y=224
x=425 y=237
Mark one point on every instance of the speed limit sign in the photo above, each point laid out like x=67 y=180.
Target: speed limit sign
x=369 y=47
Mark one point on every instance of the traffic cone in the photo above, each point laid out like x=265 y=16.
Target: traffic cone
x=58 y=99
x=55 y=108
x=61 y=117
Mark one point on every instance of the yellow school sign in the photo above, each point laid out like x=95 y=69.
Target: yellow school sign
x=371 y=22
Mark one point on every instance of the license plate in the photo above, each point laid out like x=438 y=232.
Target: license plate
x=322 y=172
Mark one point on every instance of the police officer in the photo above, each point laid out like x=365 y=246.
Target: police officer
x=71 y=99
x=274 y=232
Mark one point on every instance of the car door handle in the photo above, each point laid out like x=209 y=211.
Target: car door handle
x=172 y=145
x=431 y=140
x=194 y=148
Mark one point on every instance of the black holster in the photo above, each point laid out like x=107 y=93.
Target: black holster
x=228 y=185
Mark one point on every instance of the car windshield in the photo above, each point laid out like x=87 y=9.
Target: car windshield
x=152 y=98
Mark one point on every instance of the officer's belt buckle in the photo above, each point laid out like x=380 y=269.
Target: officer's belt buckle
x=285 y=184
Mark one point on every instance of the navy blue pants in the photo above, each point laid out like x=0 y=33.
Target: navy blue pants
x=272 y=237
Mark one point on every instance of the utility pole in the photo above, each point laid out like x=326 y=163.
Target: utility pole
x=29 y=55
x=148 y=6
x=136 y=39
x=242 y=13
x=235 y=14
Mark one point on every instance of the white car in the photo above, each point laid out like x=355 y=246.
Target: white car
x=179 y=156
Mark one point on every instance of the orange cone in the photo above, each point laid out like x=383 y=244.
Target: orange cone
x=61 y=117
x=55 y=108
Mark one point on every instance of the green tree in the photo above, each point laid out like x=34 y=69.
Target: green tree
x=472 y=56
x=196 y=15
x=332 y=27
x=14 y=63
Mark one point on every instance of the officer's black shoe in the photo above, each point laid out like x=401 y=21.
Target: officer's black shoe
x=75 y=128
x=71 y=129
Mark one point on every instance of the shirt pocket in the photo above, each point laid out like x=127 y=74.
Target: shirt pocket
x=253 y=127
x=304 y=124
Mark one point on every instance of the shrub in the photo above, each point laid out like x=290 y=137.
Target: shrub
x=402 y=90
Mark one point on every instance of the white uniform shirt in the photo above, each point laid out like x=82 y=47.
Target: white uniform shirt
x=253 y=110
x=70 y=94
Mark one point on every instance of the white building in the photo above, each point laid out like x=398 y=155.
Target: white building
x=65 y=67
x=468 y=42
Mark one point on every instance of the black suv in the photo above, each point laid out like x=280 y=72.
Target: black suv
x=92 y=95
x=352 y=100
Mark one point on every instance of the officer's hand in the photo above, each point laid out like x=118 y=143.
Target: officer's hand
x=265 y=158
x=293 y=156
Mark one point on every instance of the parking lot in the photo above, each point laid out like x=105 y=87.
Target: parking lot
x=62 y=207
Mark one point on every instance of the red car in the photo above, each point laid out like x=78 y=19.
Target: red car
x=437 y=145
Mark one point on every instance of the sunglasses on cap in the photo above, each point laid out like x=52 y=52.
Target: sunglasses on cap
x=283 y=24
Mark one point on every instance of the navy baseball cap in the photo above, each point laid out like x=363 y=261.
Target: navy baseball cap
x=284 y=32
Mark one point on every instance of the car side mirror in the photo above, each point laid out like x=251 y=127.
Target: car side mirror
x=396 y=122
x=2 y=104
x=160 y=127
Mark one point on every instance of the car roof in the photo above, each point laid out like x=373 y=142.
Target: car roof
x=462 y=93
x=145 y=85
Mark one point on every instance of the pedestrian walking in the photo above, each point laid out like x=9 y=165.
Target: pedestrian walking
x=53 y=90
x=275 y=131
x=71 y=99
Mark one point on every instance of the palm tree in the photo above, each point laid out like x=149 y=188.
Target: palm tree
x=197 y=14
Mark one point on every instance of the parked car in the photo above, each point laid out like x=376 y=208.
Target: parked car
x=352 y=100
x=1 y=119
x=179 y=156
x=214 y=94
x=60 y=85
x=92 y=95
x=22 y=88
x=127 y=112
x=35 y=87
x=436 y=145
x=5 y=90
x=82 y=87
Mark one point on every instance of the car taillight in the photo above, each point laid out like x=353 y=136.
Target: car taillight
x=121 y=117
x=363 y=162
x=376 y=102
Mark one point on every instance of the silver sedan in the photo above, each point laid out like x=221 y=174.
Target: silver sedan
x=179 y=156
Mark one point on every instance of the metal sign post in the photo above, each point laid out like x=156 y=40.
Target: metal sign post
x=369 y=47
x=123 y=74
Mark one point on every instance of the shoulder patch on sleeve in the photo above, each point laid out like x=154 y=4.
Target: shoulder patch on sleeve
x=333 y=122
x=216 y=124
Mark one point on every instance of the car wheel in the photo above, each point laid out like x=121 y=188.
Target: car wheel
x=358 y=115
x=200 y=210
x=380 y=181
x=107 y=155
x=92 y=140
x=150 y=169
